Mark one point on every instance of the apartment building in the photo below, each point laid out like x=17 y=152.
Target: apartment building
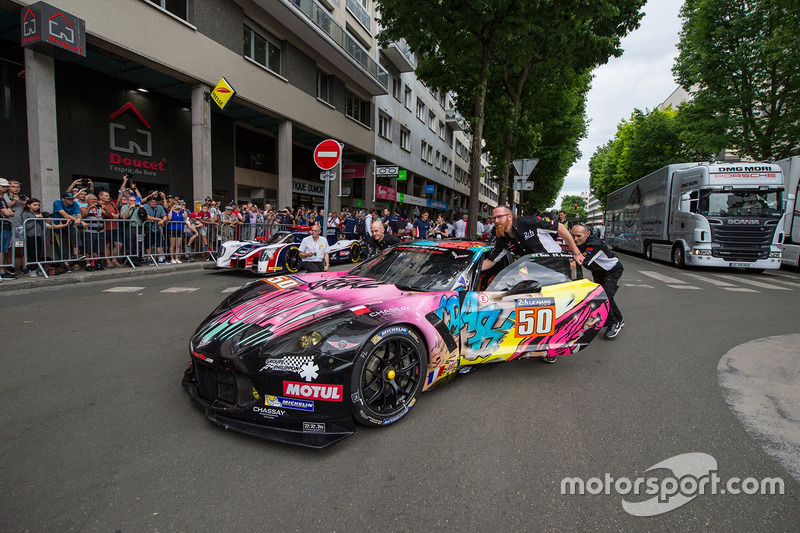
x=132 y=95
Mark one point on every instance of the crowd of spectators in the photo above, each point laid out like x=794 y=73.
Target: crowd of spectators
x=83 y=228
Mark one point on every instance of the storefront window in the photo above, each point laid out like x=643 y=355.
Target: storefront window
x=255 y=151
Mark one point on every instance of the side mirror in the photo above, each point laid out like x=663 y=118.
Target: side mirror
x=523 y=287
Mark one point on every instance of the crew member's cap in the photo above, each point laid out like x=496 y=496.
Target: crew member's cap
x=67 y=196
x=3 y=182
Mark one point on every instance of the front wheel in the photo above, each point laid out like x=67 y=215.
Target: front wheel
x=677 y=256
x=355 y=252
x=387 y=376
x=293 y=259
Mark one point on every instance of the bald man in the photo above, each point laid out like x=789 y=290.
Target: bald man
x=380 y=240
x=314 y=251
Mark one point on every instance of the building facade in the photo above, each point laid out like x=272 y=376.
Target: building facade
x=136 y=101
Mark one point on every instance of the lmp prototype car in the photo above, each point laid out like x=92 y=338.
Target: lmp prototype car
x=301 y=358
x=280 y=253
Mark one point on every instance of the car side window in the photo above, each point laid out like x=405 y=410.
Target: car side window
x=543 y=268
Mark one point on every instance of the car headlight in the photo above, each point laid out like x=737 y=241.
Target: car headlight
x=774 y=255
x=312 y=339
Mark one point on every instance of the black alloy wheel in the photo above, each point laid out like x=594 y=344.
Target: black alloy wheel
x=355 y=252
x=388 y=378
x=293 y=259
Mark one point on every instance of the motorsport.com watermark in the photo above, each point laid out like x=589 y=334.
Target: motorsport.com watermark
x=693 y=474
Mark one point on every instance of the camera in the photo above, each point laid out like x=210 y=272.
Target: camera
x=84 y=183
x=23 y=197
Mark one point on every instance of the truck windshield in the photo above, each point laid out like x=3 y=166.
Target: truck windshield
x=741 y=203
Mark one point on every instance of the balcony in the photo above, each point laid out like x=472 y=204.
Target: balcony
x=400 y=55
x=361 y=15
x=454 y=120
x=312 y=24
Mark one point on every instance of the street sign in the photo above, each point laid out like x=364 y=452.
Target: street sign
x=327 y=175
x=523 y=185
x=327 y=154
x=387 y=171
x=524 y=167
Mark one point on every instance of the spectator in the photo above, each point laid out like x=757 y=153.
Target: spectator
x=314 y=251
x=320 y=218
x=154 y=225
x=394 y=222
x=83 y=184
x=176 y=219
x=422 y=226
x=450 y=227
x=34 y=234
x=252 y=219
x=440 y=229
x=480 y=229
x=94 y=235
x=113 y=239
x=333 y=220
x=16 y=202
x=5 y=231
x=136 y=215
x=204 y=221
x=461 y=227
x=368 y=222
x=190 y=233
x=66 y=237
x=228 y=222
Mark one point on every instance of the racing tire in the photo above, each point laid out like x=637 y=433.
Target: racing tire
x=355 y=252
x=648 y=251
x=678 y=258
x=293 y=259
x=388 y=375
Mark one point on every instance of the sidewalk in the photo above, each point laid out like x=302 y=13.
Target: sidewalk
x=81 y=276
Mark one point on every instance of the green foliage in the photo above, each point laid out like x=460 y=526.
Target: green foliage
x=740 y=60
x=575 y=208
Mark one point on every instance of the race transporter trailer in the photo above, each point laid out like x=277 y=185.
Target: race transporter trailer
x=703 y=214
x=791 y=226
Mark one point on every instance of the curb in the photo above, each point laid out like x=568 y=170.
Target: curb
x=71 y=278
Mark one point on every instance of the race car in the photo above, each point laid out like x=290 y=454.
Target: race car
x=301 y=358
x=280 y=252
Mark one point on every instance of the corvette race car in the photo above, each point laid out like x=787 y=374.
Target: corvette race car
x=280 y=253
x=300 y=358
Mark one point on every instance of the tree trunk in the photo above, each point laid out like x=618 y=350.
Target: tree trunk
x=477 y=140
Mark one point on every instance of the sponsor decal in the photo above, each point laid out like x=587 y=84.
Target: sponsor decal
x=743 y=221
x=314 y=427
x=328 y=393
x=355 y=397
x=746 y=169
x=303 y=365
x=343 y=344
x=441 y=372
x=203 y=357
x=390 y=331
x=391 y=310
x=395 y=418
x=360 y=310
x=344 y=253
x=255 y=394
x=268 y=412
x=483 y=298
x=535 y=320
x=289 y=403
x=282 y=282
x=534 y=302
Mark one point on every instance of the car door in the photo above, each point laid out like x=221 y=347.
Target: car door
x=537 y=305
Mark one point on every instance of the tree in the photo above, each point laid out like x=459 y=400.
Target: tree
x=575 y=208
x=455 y=42
x=740 y=60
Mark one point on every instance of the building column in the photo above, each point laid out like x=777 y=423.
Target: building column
x=201 y=143
x=369 y=183
x=284 y=164
x=40 y=92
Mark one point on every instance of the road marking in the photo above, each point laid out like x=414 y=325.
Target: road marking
x=124 y=289
x=684 y=287
x=751 y=282
x=712 y=281
x=181 y=289
x=231 y=289
x=739 y=289
x=637 y=285
x=784 y=282
x=661 y=277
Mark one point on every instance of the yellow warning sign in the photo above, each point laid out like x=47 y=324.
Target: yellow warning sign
x=223 y=93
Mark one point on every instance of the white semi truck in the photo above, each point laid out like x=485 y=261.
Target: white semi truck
x=791 y=226
x=703 y=214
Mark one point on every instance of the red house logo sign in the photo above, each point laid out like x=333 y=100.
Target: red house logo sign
x=131 y=143
x=48 y=29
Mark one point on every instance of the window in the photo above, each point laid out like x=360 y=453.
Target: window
x=405 y=139
x=420 y=110
x=261 y=50
x=441 y=130
x=423 y=149
x=384 y=126
x=324 y=86
x=438 y=159
x=430 y=154
x=432 y=120
x=396 y=85
x=407 y=98
x=356 y=108
x=442 y=98
x=179 y=8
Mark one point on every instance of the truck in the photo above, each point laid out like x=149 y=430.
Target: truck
x=791 y=224
x=714 y=214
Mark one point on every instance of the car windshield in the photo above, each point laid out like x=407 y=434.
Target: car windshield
x=547 y=269
x=418 y=268
x=741 y=203
x=280 y=237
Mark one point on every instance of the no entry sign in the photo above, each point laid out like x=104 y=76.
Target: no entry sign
x=327 y=154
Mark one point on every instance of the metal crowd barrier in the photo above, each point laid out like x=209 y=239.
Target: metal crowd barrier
x=53 y=243
x=6 y=233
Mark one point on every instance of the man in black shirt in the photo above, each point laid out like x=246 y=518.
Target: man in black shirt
x=526 y=235
x=380 y=240
x=606 y=270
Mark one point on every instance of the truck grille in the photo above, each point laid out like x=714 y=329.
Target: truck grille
x=742 y=243
x=214 y=385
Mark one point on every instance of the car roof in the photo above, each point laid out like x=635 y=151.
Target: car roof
x=450 y=244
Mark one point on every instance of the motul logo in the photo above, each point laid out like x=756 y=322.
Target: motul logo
x=330 y=393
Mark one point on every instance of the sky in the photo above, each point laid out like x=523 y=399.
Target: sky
x=641 y=78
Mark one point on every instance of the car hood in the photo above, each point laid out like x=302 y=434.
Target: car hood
x=274 y=307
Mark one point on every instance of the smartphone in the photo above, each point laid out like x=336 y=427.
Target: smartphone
x=138 y=200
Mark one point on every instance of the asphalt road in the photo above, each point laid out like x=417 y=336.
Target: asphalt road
x=98 y=435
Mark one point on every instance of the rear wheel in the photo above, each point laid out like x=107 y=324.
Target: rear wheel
x=387 y=376
x=293 y=259
x=648 y=251
x=678 y=258
x=355 y=252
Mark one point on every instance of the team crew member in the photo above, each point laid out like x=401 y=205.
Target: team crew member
x=380 y=240
x=606 y=270
x=314 y=251
x=422 y=226
x=526 y=235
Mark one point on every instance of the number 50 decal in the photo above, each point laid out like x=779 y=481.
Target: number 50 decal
x=282 y=282
x=535 y=321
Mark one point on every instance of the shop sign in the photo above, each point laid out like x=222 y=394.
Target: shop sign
x=223 y=93
x=435 y=204
x=130 y=141
x=355 y=170
x=383 y=192
x=410 y=200
x=46 y=28
x=307 y=187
